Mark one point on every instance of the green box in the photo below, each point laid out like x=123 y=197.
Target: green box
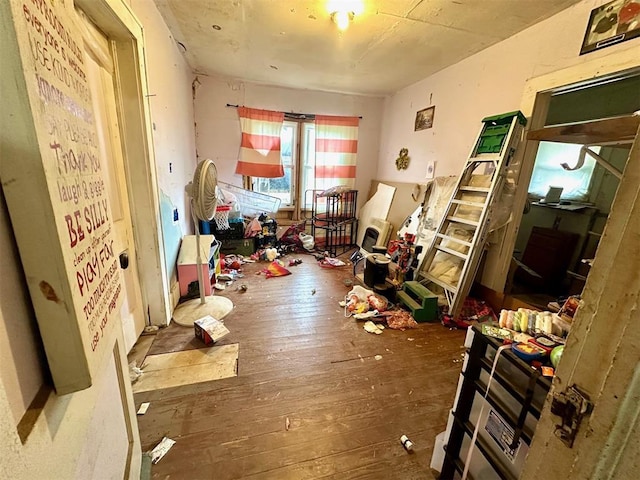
x=495 y=130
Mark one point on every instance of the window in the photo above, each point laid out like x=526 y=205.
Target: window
x=298 y=166
x=548 y=172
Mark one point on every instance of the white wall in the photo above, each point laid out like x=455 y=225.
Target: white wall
x=218 y=127
x=171 y=104
x=81 y=435
x=488 y=83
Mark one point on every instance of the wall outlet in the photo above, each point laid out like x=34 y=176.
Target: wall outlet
x=175 y=215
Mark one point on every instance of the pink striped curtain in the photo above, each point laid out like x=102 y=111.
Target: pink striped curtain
x=260 y=146
x=336 y=151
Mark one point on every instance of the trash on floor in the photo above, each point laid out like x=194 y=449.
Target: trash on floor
x=308 y=242
x=329 y=262
x=372 y=328
x=406 y=443
x=150 y=330
x=400 y=320
x=366 y=315
x=143 y=408
x=287 y=424
x=276 y=269
x=161 y=449
x=378 y=357
x=134 y=372
x=209 y=329
x=361 y=300
x=473 y=311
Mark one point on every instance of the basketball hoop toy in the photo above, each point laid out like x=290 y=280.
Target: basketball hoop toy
x=222 y=217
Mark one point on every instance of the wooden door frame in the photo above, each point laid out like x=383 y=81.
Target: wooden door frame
x=117 y=21
x=534 y=105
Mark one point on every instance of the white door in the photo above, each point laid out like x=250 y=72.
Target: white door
x=99 y=69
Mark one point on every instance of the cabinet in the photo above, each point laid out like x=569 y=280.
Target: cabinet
x=507 y=418
x=549 y=254
x=333 y=220
x=188 y=264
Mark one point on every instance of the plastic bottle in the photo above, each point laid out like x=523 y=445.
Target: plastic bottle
x=406 y=443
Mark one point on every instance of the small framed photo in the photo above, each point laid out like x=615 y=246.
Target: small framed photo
x=424 y=118
x=611 y=23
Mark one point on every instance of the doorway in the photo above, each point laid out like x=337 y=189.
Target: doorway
x=572 y=187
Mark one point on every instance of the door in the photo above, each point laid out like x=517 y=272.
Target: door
x=99 y=69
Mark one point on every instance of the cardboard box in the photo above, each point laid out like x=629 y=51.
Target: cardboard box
x=209 y=330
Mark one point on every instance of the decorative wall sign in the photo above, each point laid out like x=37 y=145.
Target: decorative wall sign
x=612 y=23
x=402 y=162
x=61 y=173
x=424 y=118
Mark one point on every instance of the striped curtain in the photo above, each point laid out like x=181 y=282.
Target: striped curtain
x=336 y=151
x=260 y=146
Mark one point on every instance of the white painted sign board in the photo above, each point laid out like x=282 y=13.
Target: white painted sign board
x=54 y=183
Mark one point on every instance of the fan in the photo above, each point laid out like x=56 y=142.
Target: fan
x=202 y=191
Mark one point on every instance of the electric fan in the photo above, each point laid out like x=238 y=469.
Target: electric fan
x=202 y=191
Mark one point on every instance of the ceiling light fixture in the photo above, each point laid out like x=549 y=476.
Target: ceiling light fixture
x=342 y=12
x=342 y=18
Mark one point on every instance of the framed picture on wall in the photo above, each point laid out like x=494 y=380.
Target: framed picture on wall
x=424 y=118
x=612 y=23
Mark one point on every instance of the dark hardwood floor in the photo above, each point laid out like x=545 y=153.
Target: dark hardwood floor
x=303 y=364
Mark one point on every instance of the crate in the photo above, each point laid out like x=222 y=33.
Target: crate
x=234 y=232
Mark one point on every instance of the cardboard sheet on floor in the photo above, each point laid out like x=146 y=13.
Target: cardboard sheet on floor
x=168 y=370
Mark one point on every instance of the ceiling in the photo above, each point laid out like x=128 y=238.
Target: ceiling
x=390 y=45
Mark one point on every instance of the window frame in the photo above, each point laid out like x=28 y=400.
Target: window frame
x=302 y=158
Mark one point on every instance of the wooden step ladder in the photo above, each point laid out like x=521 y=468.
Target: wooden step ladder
x=422 y=302
x=460 y=239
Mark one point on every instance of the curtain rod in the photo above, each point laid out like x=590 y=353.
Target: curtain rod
x=293 y=116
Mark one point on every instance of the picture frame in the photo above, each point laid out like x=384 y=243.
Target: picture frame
x=610 y=24
x=424 y=118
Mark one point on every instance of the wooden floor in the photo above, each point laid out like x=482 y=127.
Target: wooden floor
x=303 y=364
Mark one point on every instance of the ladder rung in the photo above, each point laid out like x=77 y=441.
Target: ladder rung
x=437 y=281
x=467 y=203
x=462 y=220
x=485 y=157
x=454 y=239
x=469 y=188
x=450 y=251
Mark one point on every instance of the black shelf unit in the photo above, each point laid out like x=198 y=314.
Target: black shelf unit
x=333 y=220
x=511 y=412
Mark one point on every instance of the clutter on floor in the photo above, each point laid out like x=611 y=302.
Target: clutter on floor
x=210 y=330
